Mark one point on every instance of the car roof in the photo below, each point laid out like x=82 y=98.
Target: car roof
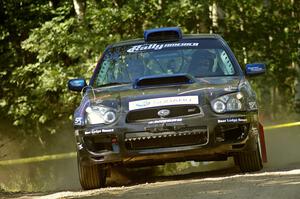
x=185 y=37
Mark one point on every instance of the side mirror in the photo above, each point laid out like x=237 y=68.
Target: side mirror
x=255 y=69
x=77 y=84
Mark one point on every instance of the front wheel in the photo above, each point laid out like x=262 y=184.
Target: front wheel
x=91 y=176
x=250 y=161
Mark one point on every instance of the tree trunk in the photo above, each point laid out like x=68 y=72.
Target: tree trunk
x=213 y=15
x=80 y=6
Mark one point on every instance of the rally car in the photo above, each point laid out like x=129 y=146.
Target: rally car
x=165 y=98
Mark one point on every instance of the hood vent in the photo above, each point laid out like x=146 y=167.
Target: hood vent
x=162 y=80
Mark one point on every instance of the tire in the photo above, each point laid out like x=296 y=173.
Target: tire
x=91 y=176
x=250 y=161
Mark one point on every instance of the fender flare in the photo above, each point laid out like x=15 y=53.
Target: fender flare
x=263 y=143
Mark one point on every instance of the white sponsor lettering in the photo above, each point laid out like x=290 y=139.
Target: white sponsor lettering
x=98 y=131
x=164 y=101
x=255 y=69
x=78 y=121
x=107 y=130
x=230 y=88
x=165 y=121
x=232 y=120
x=159 y=46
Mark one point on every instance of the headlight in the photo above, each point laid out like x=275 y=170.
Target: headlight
x=100 y=115
x=219 y=106
x=227 y=103
x=109 y=117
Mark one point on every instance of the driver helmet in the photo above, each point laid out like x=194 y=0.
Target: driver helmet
x=202 y=62
x=172 y=66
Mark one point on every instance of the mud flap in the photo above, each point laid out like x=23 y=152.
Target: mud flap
x=263 y=143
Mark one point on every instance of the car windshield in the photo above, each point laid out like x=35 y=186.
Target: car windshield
x=199 y=58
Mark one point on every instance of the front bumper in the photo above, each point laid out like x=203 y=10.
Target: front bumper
x=190 y=138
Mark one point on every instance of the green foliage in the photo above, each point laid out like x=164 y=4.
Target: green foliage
x=43 y=46
x=268 y=33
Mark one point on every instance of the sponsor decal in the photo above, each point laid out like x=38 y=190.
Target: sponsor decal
x=165 y=121
x=98 y=131
x=164 y=101
x=159 y=46
x=232 y=120
x=255 y=69
x=253 y=105
x=107 y=130
x=78 y=121
x=142 y=103
x=230 y=88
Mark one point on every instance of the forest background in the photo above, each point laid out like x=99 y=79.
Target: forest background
x=44 y=43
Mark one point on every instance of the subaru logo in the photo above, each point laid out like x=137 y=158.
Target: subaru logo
x=163 y=113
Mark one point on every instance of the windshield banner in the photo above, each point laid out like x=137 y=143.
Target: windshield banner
x=160 y=46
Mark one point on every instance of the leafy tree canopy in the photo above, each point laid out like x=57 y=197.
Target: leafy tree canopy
x=45 y=43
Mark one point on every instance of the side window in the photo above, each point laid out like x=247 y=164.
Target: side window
x=102 y=76
x=227 y=65
x=112 y=70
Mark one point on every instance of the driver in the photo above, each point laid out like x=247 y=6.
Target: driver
x=202 y=63
x=171 y=66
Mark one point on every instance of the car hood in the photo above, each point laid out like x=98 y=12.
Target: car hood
x=206 y=88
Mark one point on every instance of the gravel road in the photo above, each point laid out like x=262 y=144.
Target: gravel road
x=265 y=185
x=280 y=178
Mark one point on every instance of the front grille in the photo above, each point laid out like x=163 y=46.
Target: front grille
x=166 y=139
x=152 y=113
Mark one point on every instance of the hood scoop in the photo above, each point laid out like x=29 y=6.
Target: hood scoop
x=163 y=80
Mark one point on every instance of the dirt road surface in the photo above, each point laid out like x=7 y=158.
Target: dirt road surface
x=264 y=185
x=280 y=178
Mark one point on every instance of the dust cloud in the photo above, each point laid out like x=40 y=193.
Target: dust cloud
x=40 y=176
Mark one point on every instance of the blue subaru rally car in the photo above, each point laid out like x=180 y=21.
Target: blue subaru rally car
x=165 y=98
